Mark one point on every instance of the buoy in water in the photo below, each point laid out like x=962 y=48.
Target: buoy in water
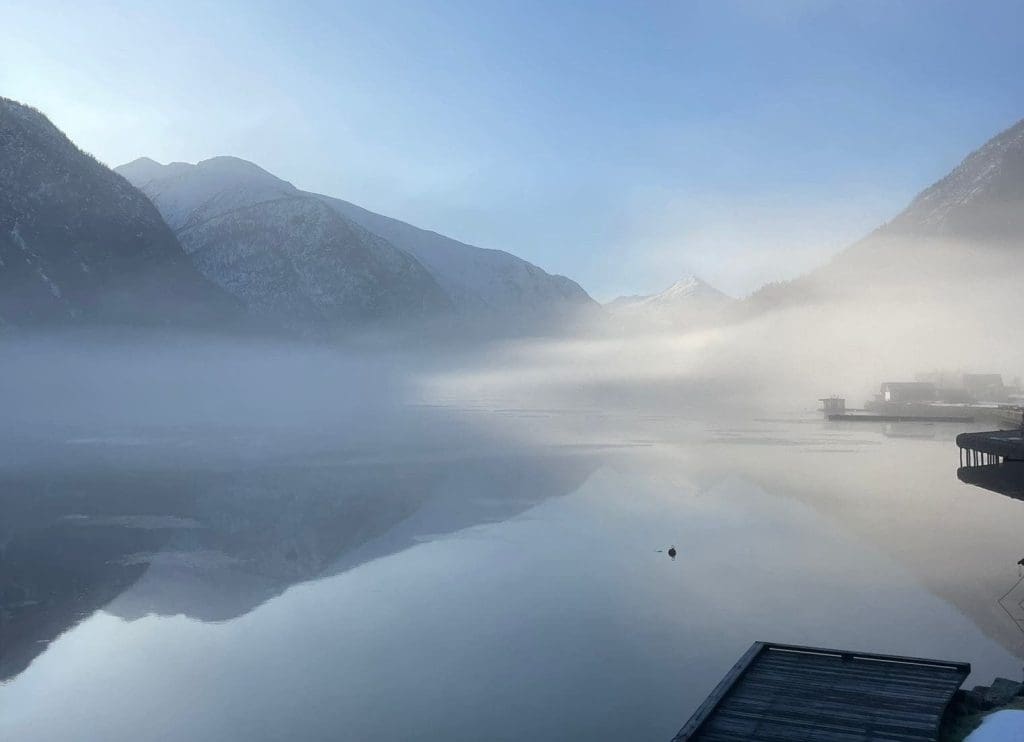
x=672 y=552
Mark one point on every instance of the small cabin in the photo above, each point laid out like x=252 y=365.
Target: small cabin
x=908 y=391
x=833 y=406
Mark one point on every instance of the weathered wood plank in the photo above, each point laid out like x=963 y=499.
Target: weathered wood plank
x=788 y=692
x=781 y=649
x=708 y=706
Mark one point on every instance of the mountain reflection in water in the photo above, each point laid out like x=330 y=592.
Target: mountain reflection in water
x=504 y=582
x=216 y=540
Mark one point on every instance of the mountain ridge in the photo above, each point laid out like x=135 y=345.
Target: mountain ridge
x=689 y=301
x=689 y=285
x=965 y=227
x=284 y=254
x=484 y=281
x=991 y=175
x=480 y=284
x=80 y=244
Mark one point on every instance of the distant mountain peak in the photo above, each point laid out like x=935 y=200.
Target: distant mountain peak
x=690 y=285
x=141 y=170
x=142 y=162
x=223 y=169
x=690 y=299
x=236 y=166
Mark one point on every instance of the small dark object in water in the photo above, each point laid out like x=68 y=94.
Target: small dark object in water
x=672 y=552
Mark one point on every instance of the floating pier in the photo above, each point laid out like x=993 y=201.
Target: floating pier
x=896 y=409
x=783 y=692
x=1006 y=478
x=990 y=447
x=868 y=417
x=835 y=410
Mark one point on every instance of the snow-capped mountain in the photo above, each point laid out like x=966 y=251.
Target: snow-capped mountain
x=78 y=243
x=285 y=254
x=476 y=279
x=204 y=202
x=688 y=301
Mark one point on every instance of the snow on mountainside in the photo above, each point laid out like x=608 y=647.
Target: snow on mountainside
x=688 y=301
x=980 y=199
x=79 y=244
x=969 y=226
x=189 y=194
x=284 y=253
x=979 y=206
x=477 y=279
x=683 y=292
x=476 y=282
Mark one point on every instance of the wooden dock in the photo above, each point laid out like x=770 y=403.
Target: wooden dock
x=781 y=692
x=869 y=418
x=1002 y=415
x=990 y=447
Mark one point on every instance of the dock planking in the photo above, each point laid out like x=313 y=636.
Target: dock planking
x=779 y=692
x=870 y=418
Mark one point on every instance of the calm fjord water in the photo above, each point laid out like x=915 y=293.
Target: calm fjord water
x=456 y=585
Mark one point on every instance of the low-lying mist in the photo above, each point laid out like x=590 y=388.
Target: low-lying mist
x=842 y=336
x=755 y=362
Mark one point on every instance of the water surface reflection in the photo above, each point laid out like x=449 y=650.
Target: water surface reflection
x=510 y=591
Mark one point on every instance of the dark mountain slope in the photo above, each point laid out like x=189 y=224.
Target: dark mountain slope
x=980 y=201
x=966 y=229
x=79 y=244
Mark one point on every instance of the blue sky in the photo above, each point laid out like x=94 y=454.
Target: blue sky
x=622 y=144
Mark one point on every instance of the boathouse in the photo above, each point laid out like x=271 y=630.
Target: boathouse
x=908 y=391
x=833 y=406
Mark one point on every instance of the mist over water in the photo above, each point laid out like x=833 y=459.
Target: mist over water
x=764 y=362
x=215 y=538
x=376 y=371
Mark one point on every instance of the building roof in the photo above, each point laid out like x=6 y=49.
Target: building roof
x=782 y=692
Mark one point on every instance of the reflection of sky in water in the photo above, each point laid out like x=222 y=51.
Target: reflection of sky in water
x=558 y=618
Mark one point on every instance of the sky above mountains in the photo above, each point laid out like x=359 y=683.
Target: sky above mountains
x=622 y=144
